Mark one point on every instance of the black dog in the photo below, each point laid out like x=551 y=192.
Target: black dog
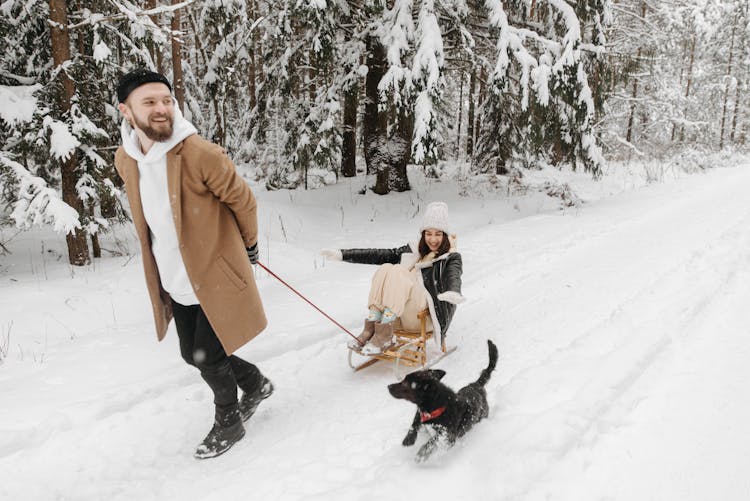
x=448 y=413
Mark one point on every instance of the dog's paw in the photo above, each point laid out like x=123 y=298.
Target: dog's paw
x=421 y=457
x=409 y=439
x=425 y=451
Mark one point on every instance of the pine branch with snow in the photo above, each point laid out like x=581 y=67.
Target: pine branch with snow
x=428 y=81
x=541 y=77
x=35 y=202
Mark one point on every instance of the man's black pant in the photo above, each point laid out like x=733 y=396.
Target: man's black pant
x=201 y=348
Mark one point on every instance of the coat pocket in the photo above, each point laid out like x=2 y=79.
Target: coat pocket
x=231 y=274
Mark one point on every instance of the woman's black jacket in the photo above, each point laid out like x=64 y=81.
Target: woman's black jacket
x=440 y=275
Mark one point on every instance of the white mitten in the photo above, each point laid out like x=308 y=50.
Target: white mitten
x=332 y=254
x=451 y=297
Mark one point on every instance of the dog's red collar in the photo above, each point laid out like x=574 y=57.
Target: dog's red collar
x=429 y=416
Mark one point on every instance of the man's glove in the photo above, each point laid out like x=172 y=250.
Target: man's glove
x=252 y=253
x=332 y=254
x=451 y=297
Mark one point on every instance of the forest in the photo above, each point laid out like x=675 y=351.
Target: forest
x=305 y=92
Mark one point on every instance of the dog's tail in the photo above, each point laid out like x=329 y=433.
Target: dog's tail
x=485 y=376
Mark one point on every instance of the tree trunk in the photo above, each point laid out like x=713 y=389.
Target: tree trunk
x=386 y=156
x=740 y=83
x=95 y=247
x=726 y=88
x=349 y=146
x=629 y=134
x=153 y=49
x=634 y=95
x=558 y=154
x=218 y=135
x=382 y=185
x=480 y=101
x=312 y=80
x=460 y=114
x=682 y=76
x=470 y=137
x=374 y=127
x=252 y=89
x=736 y=112
x=399 y=180
x=78 y=250
x=392 y=156
x=689 y=83
x=199 y=54
x=178 y=83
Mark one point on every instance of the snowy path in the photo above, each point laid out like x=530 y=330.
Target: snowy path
x=622 y=328
x=628 y=294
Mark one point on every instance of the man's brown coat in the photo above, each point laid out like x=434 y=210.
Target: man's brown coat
x=214 y=213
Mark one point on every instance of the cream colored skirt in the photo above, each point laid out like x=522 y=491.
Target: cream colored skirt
x=396 y=287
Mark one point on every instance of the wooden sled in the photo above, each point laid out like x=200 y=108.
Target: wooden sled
x=410 y=350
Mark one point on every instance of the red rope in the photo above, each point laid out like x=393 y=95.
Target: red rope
x=274 y=275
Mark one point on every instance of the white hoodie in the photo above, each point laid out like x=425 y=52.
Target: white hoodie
x=156 y=207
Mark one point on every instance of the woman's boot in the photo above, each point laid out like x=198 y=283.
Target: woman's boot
x=367 y=333
x=381 y=340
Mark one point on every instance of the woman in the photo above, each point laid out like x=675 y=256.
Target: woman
x=410 y=278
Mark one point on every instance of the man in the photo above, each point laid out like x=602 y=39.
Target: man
x=197 y=224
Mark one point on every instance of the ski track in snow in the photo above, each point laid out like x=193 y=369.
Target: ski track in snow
x=591 y=309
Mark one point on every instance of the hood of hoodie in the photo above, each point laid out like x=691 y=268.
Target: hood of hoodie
x=181 y=129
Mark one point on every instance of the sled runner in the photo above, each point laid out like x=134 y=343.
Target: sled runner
x=409 y=350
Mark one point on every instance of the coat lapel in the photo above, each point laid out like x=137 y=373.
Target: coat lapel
x=174 y=177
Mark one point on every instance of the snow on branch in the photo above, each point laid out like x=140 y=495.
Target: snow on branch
x=62 y=142
x=18 y=103
x=18 y=78
x=511 y=41
x=427 y=73
x=627 y=143
x=571 y=51
x=551 y=62
x=429 y=59
x=130 y=12
x=554 y=55
x=37 y=203
x=422 y=83
x=396 y=35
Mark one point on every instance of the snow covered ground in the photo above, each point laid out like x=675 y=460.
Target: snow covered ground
x=622 y=326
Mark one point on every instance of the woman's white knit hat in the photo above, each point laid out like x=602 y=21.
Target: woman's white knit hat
x=435 y=217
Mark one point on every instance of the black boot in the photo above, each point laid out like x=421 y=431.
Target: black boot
x=226 y=432
x=251 y=400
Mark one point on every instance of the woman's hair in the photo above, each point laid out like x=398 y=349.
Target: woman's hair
x=424 y=249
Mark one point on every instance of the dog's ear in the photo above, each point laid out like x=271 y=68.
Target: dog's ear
x=437 y=374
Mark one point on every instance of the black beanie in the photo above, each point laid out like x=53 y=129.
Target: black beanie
x=130 y=81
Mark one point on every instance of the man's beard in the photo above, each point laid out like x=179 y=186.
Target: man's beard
x=158 y=135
